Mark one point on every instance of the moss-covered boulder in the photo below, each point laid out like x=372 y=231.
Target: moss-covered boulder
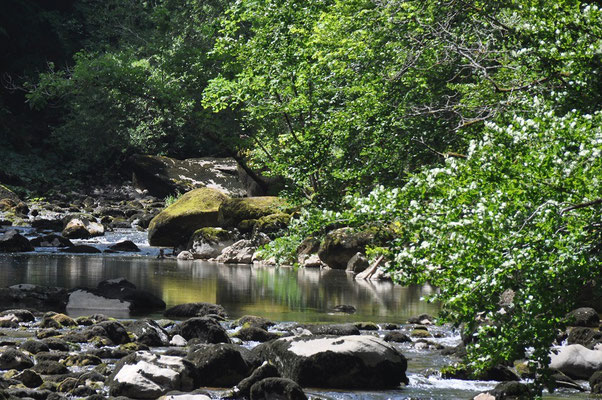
x=194 y=210
x=273 y=223
x=236 y=210
x=6 y=193
x=340 y=245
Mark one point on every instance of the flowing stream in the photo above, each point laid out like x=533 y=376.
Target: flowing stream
x=281 y=294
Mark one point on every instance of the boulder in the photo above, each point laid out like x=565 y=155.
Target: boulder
x=340 y=245
x=13 y=241
x=234 y=211
x=82 y=228
x=6 y=193
x=307 y=247
x=345 y=362
x=20 y=315
x=29 y=378
x=14 y=359
x=358 y=263
x=243 y=388
x=126 y=245
x=143 y=375
x=148 y=332
x=205 y=329
x=397 y=337
x=218 y=365
x=577 y=361
x=511 y=390
x=189 y=310
x=584 y=316
x=595 y=382
x=312 y=261
x=81 y=249
x=209 y=242
x=272 y=224
x=51 y=241
x=194 y=210
x=247 y=321
x=34 y=346
x=277 y=388
x=240 y=252
x=163 y=176
x=582 y=335
x=255 y=334
x=185 y=255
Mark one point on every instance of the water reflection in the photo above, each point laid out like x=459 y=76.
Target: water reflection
x=282 y=294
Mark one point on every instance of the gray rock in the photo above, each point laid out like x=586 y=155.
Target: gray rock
x=126 y=246
x=340 y=245
x=576 y=361
x=82 y=228
x=243 y=388
x=255 y=334
x=358 y=263
x=277 y=388
x=240 y=252
x=584 y=316
x=144 y=375
x=13 y=359
x=218 y=365
x=185 y=255
x=13 y=241
x=29 y=378
x=208 y=243
x=82 y=249
x=207 y=330
x=341 y=362
x=148 y=332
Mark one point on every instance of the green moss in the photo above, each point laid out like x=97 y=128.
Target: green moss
x=212 y=235
x=233 y=211
x=194 y=210
x=456 y=371
x=272 y=223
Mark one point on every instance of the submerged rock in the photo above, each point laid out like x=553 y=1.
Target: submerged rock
x=341 y=362
x=126 y=245
x=51 y=241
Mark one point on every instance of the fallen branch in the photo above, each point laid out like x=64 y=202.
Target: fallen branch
x=581 y=205
x=371 y=270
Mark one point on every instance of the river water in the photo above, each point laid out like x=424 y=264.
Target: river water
x=281 y=294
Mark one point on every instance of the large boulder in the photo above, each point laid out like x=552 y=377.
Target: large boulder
x=163 y=176
x=6 y=193
x=13 y=241
x=209 y=242
x=206 y=330
x=239 y=211
x=345 y=362
x=143 y=375
x=577 y=361
x=194 y=210
x=340 y=245
x=218 y=365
